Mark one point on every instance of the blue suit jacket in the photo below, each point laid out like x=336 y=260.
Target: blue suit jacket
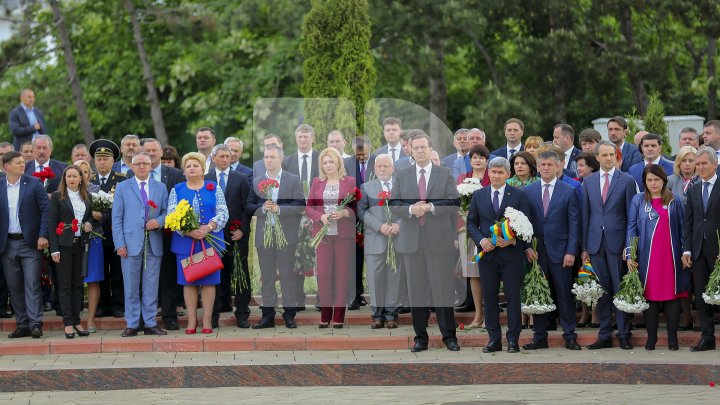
x=636 y=171
x=32 y=211
x=55 y=165
x=558 y=231
x=631 y=155
x=449 y=160
x=502 y=152
x=128 y=221
x=246 y=171
x=576 y=185
x=20 y=126
x=608 y=220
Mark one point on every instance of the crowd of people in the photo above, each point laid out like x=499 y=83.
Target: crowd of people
x=390 y=216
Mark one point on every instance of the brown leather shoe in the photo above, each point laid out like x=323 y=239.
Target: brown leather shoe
x=391 y=324
x=155 y=330
x=129 y=332
x=377 y=325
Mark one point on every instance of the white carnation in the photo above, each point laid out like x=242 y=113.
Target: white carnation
x=520 y=224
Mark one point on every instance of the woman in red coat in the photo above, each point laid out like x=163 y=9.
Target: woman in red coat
x=336 y=252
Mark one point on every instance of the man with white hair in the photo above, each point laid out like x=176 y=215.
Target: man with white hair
x=236 y=149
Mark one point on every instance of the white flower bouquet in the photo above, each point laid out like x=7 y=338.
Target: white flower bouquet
x=466 y=190
x=514 y=225
x=587 y=288
x=101 y=200
x=536 y=297
x=631 y=297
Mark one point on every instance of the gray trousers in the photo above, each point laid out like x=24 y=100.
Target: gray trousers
x=384 y=285
x=21 y=265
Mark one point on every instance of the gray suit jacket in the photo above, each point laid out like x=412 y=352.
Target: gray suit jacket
x=373 y=216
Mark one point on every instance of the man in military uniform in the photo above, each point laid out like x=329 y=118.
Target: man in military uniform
x=105 y=152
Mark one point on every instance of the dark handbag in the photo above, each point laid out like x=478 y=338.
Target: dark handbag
x=85 y=258
x=199 y=265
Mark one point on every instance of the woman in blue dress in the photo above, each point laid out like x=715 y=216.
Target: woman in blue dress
x=96 y=258
x=208 y=203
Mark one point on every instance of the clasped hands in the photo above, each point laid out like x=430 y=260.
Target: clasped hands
x=335 y=215
x=200 y=232
x=420 y=208
x=390 y=229
x=488 y=246
x=271 y=206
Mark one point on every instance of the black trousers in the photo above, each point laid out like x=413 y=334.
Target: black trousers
x=167 y=285
x=243 y=295
x=359 y=262
x=702 y=267
x=672 y=318
x=511 y=273
x=112 y=291
x=4 y=292
x=70 y=283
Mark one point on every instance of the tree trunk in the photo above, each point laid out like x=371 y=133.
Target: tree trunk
x=155 y=110
x=82 y=113
x=712 y=84
x=637 y=84
x=438 y=97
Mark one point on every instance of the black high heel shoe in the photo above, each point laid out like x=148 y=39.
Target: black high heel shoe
x=70 y=335
x=80 y=332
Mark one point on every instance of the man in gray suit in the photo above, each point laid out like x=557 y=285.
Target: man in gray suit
x=383 y=281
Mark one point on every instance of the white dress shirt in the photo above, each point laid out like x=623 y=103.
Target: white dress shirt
x=602 y=178
x=517 y=149
x=147 y=186
x=13 y=195
x=227 y=176
x=500 y=195
x=550 y=189
x=309 y=164
x=78 y=208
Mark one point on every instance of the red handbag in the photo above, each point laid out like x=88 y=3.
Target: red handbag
x=199 y=265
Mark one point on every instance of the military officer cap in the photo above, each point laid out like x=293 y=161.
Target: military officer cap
x=104 y=147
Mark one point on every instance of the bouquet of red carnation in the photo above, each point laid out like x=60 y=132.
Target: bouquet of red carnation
x=238 y=276
x=272 y=231
x=44 y=174
x=355 y=195
x=390 y=257
x=62 y=226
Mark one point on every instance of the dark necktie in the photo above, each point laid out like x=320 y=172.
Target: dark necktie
x=422 y=190
x=303 y=175
x=392 y=153
x=222 y=181
x=362 y=172
x=496 y=201
x=546 y=199
x=512 y=152
x=102 y=181
x=144 y=196
x=706 y=195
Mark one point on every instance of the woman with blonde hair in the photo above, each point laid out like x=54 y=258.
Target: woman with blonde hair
x=336 y=252
x=532 y=144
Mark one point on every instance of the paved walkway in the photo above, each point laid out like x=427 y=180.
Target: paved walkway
x=462 y=394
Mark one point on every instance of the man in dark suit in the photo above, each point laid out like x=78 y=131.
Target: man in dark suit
x=460 y=142
x=288 y=202
x=24 y=216
x=564 y=138
x=504 y=262
x=359 y=167
x=259 y=165
x=167 y=285
x=129 y=147
x=112 y=295
x=392 y=128
x=26 y=120
x=605 y=201
x=236 y=187
x=700 y=246
x=304 y=162
x=236 y=150
x=555 y=215
x=651 y=147
x=42 y=150
x=514 y=129
x=617 y=132
x=426 y=199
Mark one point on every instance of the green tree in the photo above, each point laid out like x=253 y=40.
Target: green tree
x=654 y=121
x=338 y=64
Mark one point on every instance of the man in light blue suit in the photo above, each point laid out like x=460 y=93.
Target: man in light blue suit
x=133 y=198
x=555 y=215
x=651 y=147
x=606 y=198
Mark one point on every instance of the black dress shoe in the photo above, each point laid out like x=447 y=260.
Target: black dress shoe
x=465 y=308
x=452 y=345
x=243 y=323
x=580 y=324
x=215 y=323
x=673 y=348
x=265 y=322
x=118 y=313
x=536 y=344
x=129 y=332
x=101 y=313
x=572 y=344
x=171 y=325
x=418 y=347
x=404 y=310
x=290 y=321
x=377 y=325
x=492 y=347
x=686 y=327
x=354 y=306
x=83 y=333
x=600 y=344
x=593 y=325
x=513 y=347
x=625 y=344
x=5 y=314
x=47 y=306
x=36 y=332
x=155 y=330
x=19 y=333
x=703 y=345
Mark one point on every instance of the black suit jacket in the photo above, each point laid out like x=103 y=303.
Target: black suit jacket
x=245 y=171
x=701 y=226
x=352 y=169
x=291 y=201
x=236 y=191
x=481 y=218
x=502 y=152
x=20 y=126
x=290 y=165
x=440 y=226
x=56 y=166
x=62 y=211
x=169 y=176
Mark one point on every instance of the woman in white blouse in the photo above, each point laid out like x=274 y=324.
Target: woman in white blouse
x=69 y=215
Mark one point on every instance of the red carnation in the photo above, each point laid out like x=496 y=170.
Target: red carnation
x=384 y=196
x=712 y=383
x=357 y=194
x=61 y=225
x=75 y=222
x=210 y=186
x=49 y=174
x=462 y=326
x=59 y=231
x=152 y=204
x=235 y=225
x=75 y=228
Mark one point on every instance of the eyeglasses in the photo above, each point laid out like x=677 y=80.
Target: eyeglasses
x=143 y=164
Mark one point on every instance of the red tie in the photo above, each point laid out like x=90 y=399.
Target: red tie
x=546 y=199
x=422 y=190
x=606 y=187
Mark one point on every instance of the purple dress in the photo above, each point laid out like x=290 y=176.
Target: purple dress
x=660 y=283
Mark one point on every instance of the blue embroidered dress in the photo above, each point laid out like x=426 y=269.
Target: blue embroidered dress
x=209 y=206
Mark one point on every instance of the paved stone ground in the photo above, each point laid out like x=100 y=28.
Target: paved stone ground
x=455 y=395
